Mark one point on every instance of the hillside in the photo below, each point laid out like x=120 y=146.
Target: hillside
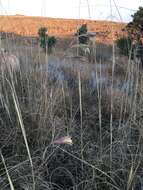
x=28 y=26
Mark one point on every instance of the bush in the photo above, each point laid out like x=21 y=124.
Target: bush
x=46 y=42
x=125 y=45
x=133 y=51
x=42 y=36
x=51 y=43
x=135 y=28
x=81 y=31
x=135 y=32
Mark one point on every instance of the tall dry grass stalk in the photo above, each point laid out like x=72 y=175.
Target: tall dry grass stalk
x=99 y=93
x=7 y=173
x=81 y=117
x=18 y=111
x=11 y=84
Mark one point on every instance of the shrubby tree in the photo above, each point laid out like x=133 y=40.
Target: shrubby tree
x=83 y=31
x=125 y=45
x=135 y=28
x=46 y=42
x=42 y=32
x=134 y=40
x=51 y=43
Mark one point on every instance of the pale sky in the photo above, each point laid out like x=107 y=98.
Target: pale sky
x=88 y=9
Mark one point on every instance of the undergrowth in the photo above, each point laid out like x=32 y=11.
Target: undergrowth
x=105 y=125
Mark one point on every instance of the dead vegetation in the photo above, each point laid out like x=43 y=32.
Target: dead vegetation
x=104 y=121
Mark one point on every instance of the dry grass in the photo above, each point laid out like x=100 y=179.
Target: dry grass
x=28 y=26
x=36 y=110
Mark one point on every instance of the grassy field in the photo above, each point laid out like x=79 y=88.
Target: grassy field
x=28 y=26
x=99 y=105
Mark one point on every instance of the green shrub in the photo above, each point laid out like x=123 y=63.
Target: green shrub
x=42 y=36
x=46 y=42
x=81 y=31
x=51 y=43
x=135 y=28
x=125 y=45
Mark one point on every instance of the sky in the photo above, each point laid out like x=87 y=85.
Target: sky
x=120 y=10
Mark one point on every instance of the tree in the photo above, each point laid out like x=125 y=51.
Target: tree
x=135 y=28
x=42 y=32
x=82 y=31
x=46 y=42
x=134 y=40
